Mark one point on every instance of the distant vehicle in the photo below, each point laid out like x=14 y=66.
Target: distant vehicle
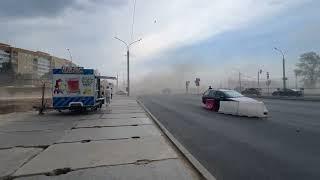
x=232 y=102
x=166 y=91
x=287 y=92
x=252 y=91
x=120 y=92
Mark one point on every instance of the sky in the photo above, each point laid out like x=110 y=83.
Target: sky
x=181 y=39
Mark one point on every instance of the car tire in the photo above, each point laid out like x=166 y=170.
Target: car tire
x=209 y=104
x=216 y=106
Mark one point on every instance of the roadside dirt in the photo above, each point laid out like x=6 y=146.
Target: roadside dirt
x=20 y=104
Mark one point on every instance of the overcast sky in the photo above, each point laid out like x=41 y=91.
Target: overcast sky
x=210 y=39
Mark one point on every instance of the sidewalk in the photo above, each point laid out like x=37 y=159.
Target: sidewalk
x=118 y=142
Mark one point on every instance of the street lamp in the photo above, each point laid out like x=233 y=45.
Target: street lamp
x=259 y=72
x=69 y=54
x=128 y=54
x=283 y=68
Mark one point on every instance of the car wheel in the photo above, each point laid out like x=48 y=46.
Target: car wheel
x=209 y=104
x=216 y=106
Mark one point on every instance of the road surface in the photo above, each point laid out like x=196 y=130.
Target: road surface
x=284 y=146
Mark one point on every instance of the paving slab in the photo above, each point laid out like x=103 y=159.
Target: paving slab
x=96 y=116
x=170 y=169
x=35 y=125
x=126 y=111
x=97 y=153
x=31 y=138
x=125 y=105
x=124 y=116
x=113 y=122
x=12 y=159
x=48 y=116
x=104 y=133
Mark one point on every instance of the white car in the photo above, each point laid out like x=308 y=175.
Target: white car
x=231 y=102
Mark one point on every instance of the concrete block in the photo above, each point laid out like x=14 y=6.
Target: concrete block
x=113 y=122
x=126 y=111
x=12 y=159
x=32 y=138
x=98 y=153
x=124 y=116
x=158 y=170
x=104 y=133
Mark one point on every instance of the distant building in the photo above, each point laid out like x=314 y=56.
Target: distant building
x=4 y=54
x=31 y=65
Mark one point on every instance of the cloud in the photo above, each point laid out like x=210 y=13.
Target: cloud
x=87 y=27
x=33 y=8
x=25 y=9
x=189 y=22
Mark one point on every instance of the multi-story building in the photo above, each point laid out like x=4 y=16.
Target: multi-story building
x=59 y=62
x=4 y=54
x=30 y=64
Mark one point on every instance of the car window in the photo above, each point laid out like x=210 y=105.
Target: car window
x=219 y=94
x=212 y=93
x=232 y=94
x=206 y=93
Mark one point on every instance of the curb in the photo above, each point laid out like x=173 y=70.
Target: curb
x=194 y=162
x=288 y=98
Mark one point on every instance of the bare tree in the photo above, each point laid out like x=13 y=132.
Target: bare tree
x=6 y=73
x=309 y=69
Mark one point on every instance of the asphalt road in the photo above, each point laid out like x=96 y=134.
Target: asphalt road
x=283 y=146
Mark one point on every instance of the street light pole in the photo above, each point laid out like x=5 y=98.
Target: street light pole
x=128 y=59
x=69 y=54
x=259 y=72
x=128 y=72
x=296 y=80
x=283 y=68
x=258 y=78
x=117 y=81
x=240 y=81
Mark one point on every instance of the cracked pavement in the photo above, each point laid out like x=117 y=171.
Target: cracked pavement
x=116 y=142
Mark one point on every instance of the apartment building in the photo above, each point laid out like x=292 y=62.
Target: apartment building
x=4 y=55
x=31 y=64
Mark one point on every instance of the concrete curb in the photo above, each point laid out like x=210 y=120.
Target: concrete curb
x=194 y=162
x=288 y=98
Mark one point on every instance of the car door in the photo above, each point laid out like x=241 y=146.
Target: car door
x=205 y=96
x=289 y=92
x=212 y=95
x=219 y=96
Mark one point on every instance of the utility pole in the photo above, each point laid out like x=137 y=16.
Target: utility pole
x=69 y=54
x=296 y=80
x=187 y=86
x=283 y=69
x=259 y=72
x=240 y=81
x=117 y=82
x=268 y=81
x=258 y=79
x=128 y=74
x=128 y=57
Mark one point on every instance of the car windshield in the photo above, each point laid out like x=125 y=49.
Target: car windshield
x=232 y=94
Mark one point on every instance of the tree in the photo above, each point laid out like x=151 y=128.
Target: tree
x=309 y=69
x=6 y=73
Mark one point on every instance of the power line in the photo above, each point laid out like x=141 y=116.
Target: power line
x=134 y=11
